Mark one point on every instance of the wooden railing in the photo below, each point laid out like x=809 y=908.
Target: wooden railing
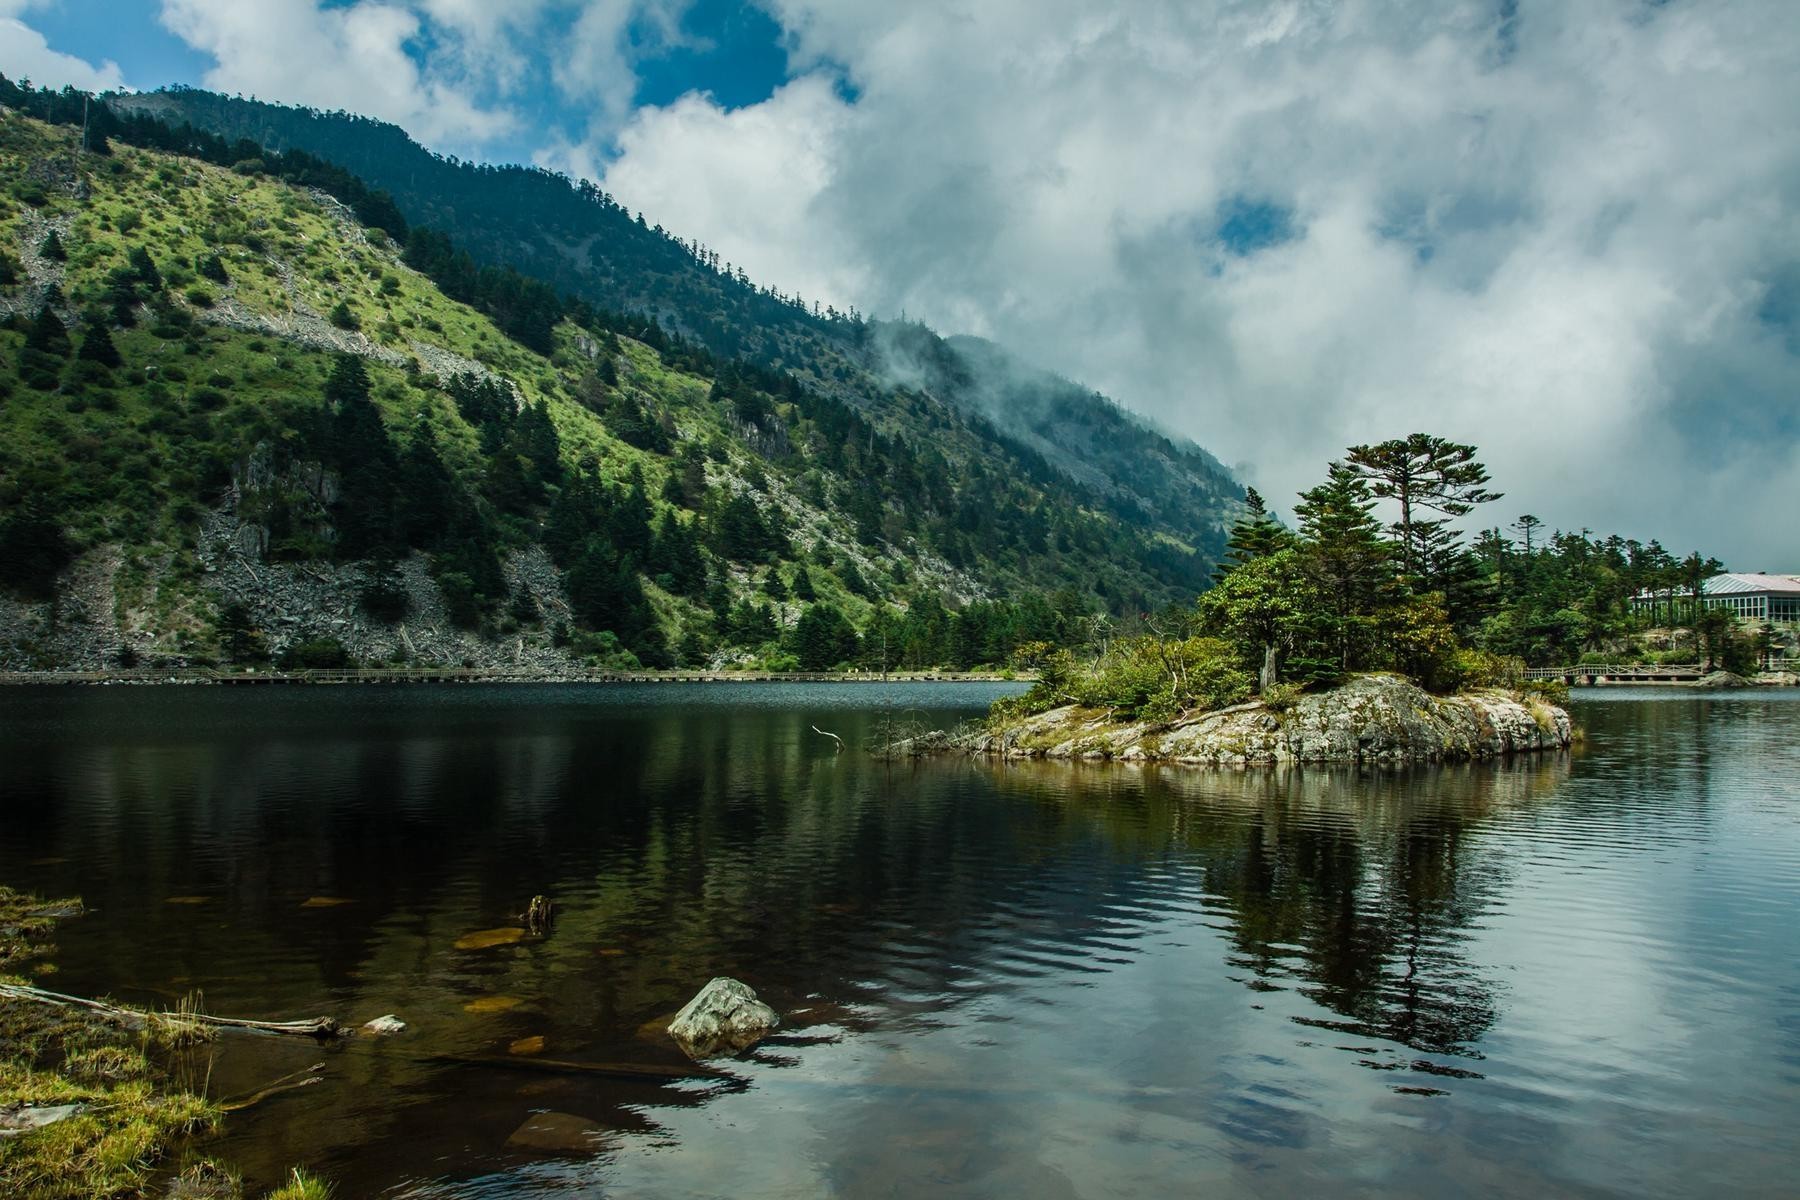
x=478 y=675
x=1592 y=673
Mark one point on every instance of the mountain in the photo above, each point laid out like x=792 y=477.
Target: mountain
x=249 y=407
x=583 y=242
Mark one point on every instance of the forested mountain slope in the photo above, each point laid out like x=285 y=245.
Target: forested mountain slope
x=236 y=422
x=580 y=240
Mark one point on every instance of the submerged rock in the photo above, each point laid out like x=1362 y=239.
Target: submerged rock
x=557 y=1133
x=724 y=1018
x=485 y=939
x=22 y=1119
x=1369 y=719
x=385 y=1026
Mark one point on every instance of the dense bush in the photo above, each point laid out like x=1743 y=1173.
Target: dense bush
x=319 y=654
x=1152 y=678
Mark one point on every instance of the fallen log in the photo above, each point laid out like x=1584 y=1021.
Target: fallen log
x=629 y=1071
x=320 y=1028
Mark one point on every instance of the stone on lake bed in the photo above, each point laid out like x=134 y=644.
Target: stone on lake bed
x=386 y=1026
x=724 y=1018
x=483 y=939
x=325 y=902
x=526 y=1045
x=557 y=1133
x=492 y=1004
x=187 y=900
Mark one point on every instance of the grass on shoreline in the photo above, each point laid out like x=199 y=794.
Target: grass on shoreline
x=139 y=1100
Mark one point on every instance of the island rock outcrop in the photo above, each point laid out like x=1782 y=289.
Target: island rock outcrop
x=1378 y=718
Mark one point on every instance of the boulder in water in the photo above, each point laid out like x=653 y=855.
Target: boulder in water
x=724 y=1018
x=1723 y=679
x=386 y=1026
x=557 y=1133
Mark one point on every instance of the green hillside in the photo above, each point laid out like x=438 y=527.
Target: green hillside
x=235 y=423
x=580 y=240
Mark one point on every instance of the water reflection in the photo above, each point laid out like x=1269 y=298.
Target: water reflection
x=1075 y=979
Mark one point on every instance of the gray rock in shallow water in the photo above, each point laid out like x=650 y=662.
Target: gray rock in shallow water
x=725 y=1018
x=557 y=1133
x=386 y=1026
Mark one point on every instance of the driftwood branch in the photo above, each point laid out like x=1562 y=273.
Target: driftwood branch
x=834 y=737
x=287 y=1083
x=317 y=1027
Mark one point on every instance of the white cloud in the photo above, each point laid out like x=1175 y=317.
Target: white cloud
x=1557 y=236
x=24 y=54
x=749 y=178
x=353 y=57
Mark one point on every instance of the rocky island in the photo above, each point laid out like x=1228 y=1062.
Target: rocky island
x=1375 y=718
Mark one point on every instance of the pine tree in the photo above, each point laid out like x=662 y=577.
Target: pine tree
x=1254 y=535
x=1424 y=473
x=52 y=248
x=803 y=586
x=143 y=269
x=97 y=346
x=1345 y=557
x=47 y=334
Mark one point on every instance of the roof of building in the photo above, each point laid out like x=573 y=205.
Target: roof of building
x=1741 y=585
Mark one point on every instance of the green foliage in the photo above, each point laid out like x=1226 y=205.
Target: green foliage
x=822 y=639
x=97 y=346
x=1281 y=697
x=239 y=638
x=34 y=548
x=319 y=654
x=1150 y=678
x=343 y=318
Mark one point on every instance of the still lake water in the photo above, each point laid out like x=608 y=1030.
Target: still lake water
x=1578 y=976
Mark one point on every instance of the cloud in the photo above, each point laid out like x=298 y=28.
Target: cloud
x=352 y=57
x=24 y=54
x=1567 y=233
x=750 y=178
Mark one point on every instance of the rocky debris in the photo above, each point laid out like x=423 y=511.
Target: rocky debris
x=298 y=602
x=1779 y=679
x=724 y=1018
x=21 y=1119
x=1370 y=719
x=42 y=275
x=557 y=1133
x=384 y=1026
x=78 y=631
x=300 y=326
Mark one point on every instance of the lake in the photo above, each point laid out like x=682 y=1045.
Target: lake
x=1574 y=976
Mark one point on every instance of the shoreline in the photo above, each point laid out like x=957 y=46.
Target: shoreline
x=218 y=677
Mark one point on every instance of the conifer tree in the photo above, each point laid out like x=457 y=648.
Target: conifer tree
x=1254 y=535
x=52 y=248
x=1345 y=556
x=47 y=334
x=97 y=346
x=1424 y=473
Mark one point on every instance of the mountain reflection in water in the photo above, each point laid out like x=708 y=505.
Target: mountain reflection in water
x=1067 y=979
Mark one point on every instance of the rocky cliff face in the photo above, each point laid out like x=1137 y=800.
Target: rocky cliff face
x=1372 y=718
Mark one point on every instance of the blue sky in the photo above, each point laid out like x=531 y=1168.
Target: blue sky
x=1567 y=233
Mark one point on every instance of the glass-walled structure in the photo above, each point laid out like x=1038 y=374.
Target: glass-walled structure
x=1770 y=599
